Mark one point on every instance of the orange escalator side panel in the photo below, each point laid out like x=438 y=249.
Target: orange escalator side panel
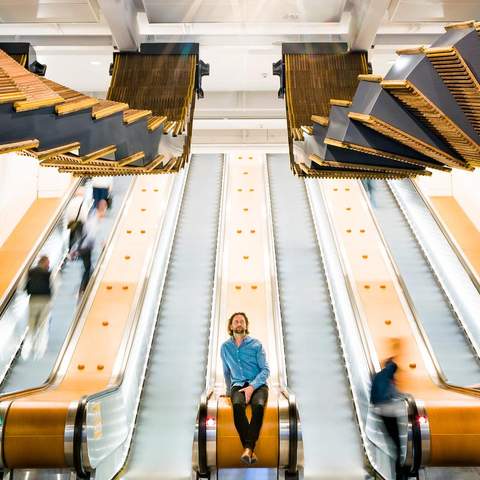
x=34 y=435
x=229 y=447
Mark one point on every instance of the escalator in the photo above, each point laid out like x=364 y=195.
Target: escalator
x=14 y=299
x=444 y=298
x=315 y=362
x=176 y=369
x=35 y=362
x=444 y=424
x=80 y=421
x=246 y=281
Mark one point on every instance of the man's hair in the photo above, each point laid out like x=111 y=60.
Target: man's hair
x=42 y=259
x=230 y=320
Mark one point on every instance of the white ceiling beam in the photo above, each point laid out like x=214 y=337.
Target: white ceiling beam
x=121 y=16
x=239 y=124
x=365 y=19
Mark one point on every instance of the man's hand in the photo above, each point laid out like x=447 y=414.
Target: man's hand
x=248 y=391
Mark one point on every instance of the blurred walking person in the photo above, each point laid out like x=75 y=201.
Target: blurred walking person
x=88 y=241
x=101 y=190
x=40 y=290
x=388 y=404
x=76 y=216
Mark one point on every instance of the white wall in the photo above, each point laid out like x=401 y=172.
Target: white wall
x=439 y=184
x=466 y=190
x=18 y=190
x=463 y=186
x=22 y=181
x=51 y=183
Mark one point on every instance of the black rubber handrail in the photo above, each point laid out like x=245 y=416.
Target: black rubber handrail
x=416 y=436
x=77 y=438
x=292 y=470
x=203 y=471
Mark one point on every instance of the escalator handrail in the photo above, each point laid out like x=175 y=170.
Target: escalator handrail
x=365 y=339
x=215 y=311
x=202 y=432
x=294 y=427
x=294 y=431
x=416 y=435
x=277 y=316
x=37 y=248
x=78 y=315
x=468 y=267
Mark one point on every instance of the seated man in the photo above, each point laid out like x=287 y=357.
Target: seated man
x=245 y=368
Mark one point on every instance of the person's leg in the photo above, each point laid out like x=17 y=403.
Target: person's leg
x=71 y=238
x=258 y=403
x=44 y=305
x=86 y=255
x=239 y=416
x=391 y=425
x=35 y=309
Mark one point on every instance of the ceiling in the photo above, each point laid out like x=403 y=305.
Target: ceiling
x=240 y=39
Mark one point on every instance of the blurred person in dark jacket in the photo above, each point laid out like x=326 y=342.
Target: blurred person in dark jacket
x=76 y=216
x=387 y=402
x=39 y=288
x=87 y=242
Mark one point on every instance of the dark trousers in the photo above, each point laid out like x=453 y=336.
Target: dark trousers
x=249 y=432
x=86 y=255
x=391 y=425
x=75 y=234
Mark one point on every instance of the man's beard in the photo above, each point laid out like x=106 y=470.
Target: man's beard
x=239 y=331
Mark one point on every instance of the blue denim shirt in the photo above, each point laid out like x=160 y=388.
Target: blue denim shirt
x=244 y=364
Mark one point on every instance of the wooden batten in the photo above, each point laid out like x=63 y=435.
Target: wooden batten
x=131 y=116
x=168 y=127
x=154 y=163
x=12 y=97
x=460 y=25
x=26 y=105
x=76 y=106
x=307 y=130
x=130 y=159
x=43 y=155
x=340 y=103
x=323 y=121
x=17 y=146
x=370 y=78
x=105 y=108
x=154 y=122
x=411 y=50
x=110 y=149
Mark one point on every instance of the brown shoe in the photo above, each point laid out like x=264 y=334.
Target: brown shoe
x=253 y=458
x=246 y=456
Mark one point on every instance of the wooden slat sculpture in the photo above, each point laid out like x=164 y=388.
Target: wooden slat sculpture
x=143 y=127
x=423 y=115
